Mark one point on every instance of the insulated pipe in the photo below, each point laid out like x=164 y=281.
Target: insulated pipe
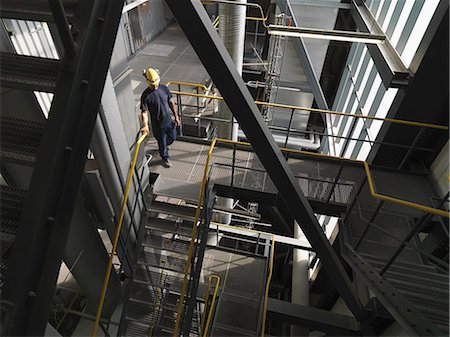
x=300 y=280
x=232 y=31
x=312 y=143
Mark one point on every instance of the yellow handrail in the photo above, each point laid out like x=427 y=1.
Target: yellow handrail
x=216 y=289
x=216 y=22
x=330 y=112
x=116 y=237
x=193 y=235
x=158 y=294
x=188 y=84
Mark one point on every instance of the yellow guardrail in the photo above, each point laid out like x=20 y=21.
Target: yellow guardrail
x=188 y=84
x=117 y=235
x=194 y=234
x=204 y=328
x=215 y=23
x=329 y=112
x=155 y=303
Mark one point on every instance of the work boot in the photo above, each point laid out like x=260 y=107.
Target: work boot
x=167 y=163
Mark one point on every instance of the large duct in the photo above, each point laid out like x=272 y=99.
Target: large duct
x=232 y=32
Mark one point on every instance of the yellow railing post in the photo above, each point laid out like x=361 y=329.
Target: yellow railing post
x=116 y=237
x=204 y=328
x=193 y=235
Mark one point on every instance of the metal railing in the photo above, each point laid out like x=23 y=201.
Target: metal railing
x=297 y=111
x=204 y=184
x=117 y=235
x=209 y=313
x=411 y=224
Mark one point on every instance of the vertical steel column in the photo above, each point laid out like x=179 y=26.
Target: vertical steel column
x=196 y=24
x=48 y=208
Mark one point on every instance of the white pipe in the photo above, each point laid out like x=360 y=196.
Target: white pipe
x=294 y=142
x=300 y=279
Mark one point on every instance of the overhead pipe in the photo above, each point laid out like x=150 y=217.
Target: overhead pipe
x=232 y=31
x=293 y=142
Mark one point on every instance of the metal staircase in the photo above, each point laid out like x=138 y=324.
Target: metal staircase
x=381 y=243
x=55 y=150
x=156 y=286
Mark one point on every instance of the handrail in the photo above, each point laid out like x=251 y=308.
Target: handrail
x=330 y=112
x=117 y=235
x=215 y=23
x=188 y=84
x=216 y=289
x=372 y=189
x=194 y=233
x=193 y=236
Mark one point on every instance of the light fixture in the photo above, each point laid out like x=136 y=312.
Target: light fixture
x=325 y=34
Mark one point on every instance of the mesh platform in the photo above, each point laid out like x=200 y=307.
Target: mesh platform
x=28 y=72
x=20 y=139
x=35 y=10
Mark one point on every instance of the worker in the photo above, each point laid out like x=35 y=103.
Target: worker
x=157 y=102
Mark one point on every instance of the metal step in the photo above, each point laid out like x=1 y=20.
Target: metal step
x=169 y=226
x=398 y=262
x=437 y=316
x=28 y=72
x=415 y=279
x=166 y=244
x=34 y=10
x=11 y=206
x=147 y=276
x=411 y=269
x=407 y=284
x=437 y=300
x=171 y=263
x=19 y=140
x=182 y=211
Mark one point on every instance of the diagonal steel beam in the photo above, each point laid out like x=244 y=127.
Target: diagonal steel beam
x=196 y=24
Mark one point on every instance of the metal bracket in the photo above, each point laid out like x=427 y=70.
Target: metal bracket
x=390 y=66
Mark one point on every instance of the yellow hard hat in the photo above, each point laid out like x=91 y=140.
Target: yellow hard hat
x=152 y=76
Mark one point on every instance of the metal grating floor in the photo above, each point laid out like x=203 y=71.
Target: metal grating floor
x=35 y=10
x=28 y=133
x=28 y=72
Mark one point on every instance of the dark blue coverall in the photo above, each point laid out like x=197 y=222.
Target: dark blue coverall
x=156 y=102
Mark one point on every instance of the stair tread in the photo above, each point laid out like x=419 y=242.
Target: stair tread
x=407 y=285
x=425 y=298
x=28 y=72
x=169 y=226
x=35 y=10
x=173 y=209
x=406 y=266
x=171 y=262
x=20 y=139
x=166 y=244
x=419 y=279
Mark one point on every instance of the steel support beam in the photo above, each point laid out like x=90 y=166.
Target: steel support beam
x=312 y=318
x=303 y=55
x=36 y=258
x=390 y=66
x=197 y=27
